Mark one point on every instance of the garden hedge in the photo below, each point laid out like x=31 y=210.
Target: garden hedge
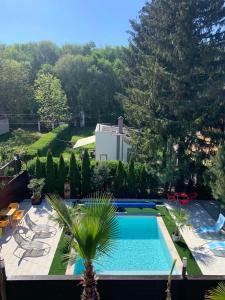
x=49 y=141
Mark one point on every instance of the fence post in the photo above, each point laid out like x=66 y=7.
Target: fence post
x=184 y=268
x=2 y=280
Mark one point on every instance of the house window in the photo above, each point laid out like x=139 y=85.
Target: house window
x=103 y=156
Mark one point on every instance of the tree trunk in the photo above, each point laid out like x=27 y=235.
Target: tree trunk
x=89 y=283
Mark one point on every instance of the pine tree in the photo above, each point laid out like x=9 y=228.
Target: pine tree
x=131 y=180
x=85 y=174
x=176 y=75
x=61 y=175
x=50 y=173
x=74 y=177
x=217 y=176
x=119 y=181
x=38 y=168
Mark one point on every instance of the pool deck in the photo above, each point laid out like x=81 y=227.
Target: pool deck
x=29 y=265
x=209 y=263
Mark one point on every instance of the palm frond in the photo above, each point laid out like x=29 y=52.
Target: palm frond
x=217 y=293
x=62 y=211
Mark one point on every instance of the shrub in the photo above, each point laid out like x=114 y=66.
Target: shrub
x=74 y=177
x=50 y=173
x=85 y=174
x=101 y=177
x=142 y=182
x=49 y=141
x=61 y=176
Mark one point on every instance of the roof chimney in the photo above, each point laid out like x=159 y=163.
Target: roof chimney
x=120 y=124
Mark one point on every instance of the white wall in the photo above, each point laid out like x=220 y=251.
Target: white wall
x=4 y=126
x=106 y=143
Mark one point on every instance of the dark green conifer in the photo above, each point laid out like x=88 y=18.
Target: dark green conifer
x=74 y=177
x=50 y=173
x=85 y=174
x=61 y=175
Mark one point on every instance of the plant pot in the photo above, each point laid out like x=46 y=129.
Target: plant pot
x=175 y=237
x=36 y=200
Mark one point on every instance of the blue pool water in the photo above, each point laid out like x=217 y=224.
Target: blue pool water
x=139 y=250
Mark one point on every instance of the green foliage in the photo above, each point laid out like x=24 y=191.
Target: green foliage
x=74 y=177
x=51 y=99
x=120 y=181
x=36 y=186
x=85 y=175
x=101 y=177
x=173 y=78
x=142 y=182
x=216 y=175
x=131 y=180
x=217 y=293
x=49 y=141
x=50 y=173
x=61 y=176
x=38 y=168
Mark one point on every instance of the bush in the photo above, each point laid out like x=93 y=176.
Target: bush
x=49 y=141
x=85 y=174
x=61 y=176
x=74 y=177
x=101 y=177
x=38 y=168
x=50 y=173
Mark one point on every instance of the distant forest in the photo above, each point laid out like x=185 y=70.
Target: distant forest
x=60 y=83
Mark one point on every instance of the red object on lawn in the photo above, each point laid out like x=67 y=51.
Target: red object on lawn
x=193 y=195
x=171 y=196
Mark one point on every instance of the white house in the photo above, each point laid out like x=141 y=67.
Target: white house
x=4 y=125
x=112 y=142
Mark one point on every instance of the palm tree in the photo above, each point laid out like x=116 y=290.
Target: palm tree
x=217 y=293
x=93 y=234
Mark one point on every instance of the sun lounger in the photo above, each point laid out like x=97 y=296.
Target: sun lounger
x=215 y=228
x=42 y=230
x=32 y=248
x=217 y=247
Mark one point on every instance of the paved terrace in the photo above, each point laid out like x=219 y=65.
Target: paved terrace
x=209 y=263
x=30 y=265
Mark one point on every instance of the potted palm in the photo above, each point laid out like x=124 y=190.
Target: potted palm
x=36 y=186
x=182 y=219
x=218 y=293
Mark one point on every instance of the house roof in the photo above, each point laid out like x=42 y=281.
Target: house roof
x=113 y=129
x=84 y=141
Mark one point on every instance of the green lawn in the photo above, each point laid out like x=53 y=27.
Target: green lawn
x=58 y=266
x=182 y=249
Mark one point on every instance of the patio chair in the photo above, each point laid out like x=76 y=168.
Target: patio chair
x=215 y=228
x=217 y=247
x=171 y=197
x=42 y=230
x=32 y=248
x=14 y=205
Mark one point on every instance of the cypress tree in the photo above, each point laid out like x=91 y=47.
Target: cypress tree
x=61 y=175
x=131 y=180
x=143 y=179
x=175 y=77
x=38 y=168
x=74 y=177
x=119 y=181
x=50 y=173
x=85 y=174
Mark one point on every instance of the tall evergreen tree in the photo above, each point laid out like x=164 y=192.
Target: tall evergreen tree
x=50 y=173
x=74 y=177
x=131 y=180
x=143 y=182
x=217 y=176
x=175 y=80
x=61 y=175
x=120 y=181
x=38 y=168
x=85 y=174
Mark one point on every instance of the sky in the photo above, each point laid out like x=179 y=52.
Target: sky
x=105 y=22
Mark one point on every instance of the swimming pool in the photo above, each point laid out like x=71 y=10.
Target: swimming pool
x=139 y=250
